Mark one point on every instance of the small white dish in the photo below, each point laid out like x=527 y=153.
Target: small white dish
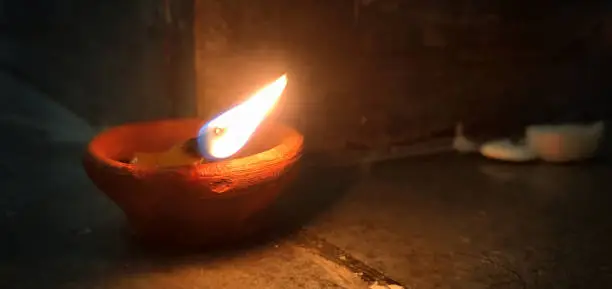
x=506 y=150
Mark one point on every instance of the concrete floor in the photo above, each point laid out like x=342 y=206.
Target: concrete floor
x=444 y=221
x=457 y=222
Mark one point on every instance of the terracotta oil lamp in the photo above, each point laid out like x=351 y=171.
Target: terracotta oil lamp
x=242 y=167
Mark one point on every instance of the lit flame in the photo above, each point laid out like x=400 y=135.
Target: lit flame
x=226 y=134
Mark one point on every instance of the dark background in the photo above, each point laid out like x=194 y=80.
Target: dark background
x=411 y=68
x=415 y=68
x=105 y=61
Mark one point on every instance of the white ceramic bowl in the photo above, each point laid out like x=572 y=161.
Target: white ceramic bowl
x=565 y=143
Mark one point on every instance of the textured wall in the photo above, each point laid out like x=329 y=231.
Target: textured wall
x=385 y=71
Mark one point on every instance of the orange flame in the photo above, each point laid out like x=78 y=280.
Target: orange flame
x=227 y=133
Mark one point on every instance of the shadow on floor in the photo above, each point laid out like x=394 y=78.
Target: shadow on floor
x=315 y=191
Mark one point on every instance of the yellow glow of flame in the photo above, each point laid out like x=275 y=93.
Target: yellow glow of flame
x=226 y=134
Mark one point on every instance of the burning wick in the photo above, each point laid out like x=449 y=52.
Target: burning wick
x=228 y=133
x=218 y=131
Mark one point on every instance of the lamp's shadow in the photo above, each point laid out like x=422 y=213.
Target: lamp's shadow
x=316 y=189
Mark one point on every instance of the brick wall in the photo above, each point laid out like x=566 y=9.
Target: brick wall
x=387 y=71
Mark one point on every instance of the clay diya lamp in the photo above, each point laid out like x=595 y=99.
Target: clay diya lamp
x=196 y=201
